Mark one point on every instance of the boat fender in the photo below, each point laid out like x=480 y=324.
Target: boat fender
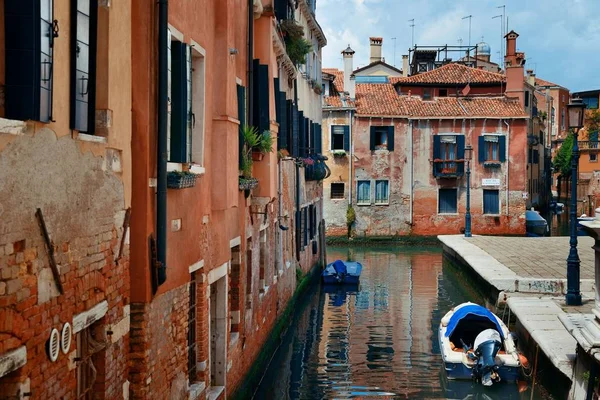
x=445 y=321
x=523 y=360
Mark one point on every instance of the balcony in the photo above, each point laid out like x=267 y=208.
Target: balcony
x=588 y=145
x=448 y=168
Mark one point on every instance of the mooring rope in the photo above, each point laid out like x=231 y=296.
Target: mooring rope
x=537 y=349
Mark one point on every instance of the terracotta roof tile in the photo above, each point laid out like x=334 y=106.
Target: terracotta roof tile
x=542 y=82
x=454 y=73
x=339 y=77
x=382 y=99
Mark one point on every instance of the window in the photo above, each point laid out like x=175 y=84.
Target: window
x=447 y=202
x=337 y=190
x=491 y=201
x=492 y=148
x=29 y=48
x=196 y=103
x=593 y=157
x=262 y=118
x=363 y=192
x=426 y=94
x=241 y=99
x=553 y=115
x=562 y=119
x=443 y=93
x=91 y=350
x=448 y=147
x=340 y=137
x=382 y=192
x=591 y=102
x=526 y=99
x=180 y=89
x=83 y=68
x=382 y=138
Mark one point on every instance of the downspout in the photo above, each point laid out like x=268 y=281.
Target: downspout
x=507 y=164
x=350 y=183
x=298 y=214
x=412 y=185
x=161 y=174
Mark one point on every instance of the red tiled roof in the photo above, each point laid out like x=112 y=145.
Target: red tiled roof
x=382 y=99
x=542 y=82
x=454 y=74
x=339 y=77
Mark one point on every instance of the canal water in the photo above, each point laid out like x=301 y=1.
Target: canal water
x=381 y=340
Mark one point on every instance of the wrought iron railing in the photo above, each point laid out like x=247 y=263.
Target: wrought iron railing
x=588 y=145
x=448 y=168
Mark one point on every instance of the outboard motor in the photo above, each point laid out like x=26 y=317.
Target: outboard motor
x=487 y=344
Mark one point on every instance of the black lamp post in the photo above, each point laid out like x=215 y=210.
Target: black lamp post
x=576 y=112
x=468 y=155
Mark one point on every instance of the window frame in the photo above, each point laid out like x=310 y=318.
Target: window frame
x=344 y=128
x=358 y=199
x=440 y=189
x=483 y=205
x=198 y=108
x=387 y=196
x=343 y=191
x=595 y=157
x=427 y=94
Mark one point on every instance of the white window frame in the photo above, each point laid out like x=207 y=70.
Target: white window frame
x=358 y=201
x=198 y=104
x=387 y=201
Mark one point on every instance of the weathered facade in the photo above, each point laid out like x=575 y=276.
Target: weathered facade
x=403 y=170
x=201 y=314
x=65 y=193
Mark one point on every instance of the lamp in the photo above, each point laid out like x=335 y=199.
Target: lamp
x=468 y=155
x=576 y=110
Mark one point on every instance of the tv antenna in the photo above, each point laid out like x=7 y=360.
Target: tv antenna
x=412 y=25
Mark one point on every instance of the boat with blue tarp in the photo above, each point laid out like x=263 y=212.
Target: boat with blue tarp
x=342 y=272
x=476 y=344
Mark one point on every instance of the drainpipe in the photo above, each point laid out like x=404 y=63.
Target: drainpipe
x=161 y=195
x=507 y=164
x=351 y=158
x=250 y=85
x=298 y=213
x=412 y=185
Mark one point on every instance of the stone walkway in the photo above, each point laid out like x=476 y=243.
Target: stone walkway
x=531 y=274
x=537 y=257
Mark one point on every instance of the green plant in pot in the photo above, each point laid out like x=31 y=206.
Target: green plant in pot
x=256 y=145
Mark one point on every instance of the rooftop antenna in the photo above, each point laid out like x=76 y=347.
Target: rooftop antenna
x=503 y=30
x=412 y=25
x=501 y=35
x=460 y=41
x=394 y=39
x=469 y=17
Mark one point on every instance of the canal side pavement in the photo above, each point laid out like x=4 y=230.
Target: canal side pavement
x=529 y=274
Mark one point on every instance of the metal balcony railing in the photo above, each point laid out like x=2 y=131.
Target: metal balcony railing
x=448 y=168
x=588 y=145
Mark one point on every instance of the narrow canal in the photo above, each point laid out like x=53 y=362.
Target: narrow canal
x=380 y=341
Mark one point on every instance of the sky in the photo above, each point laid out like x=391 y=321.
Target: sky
x=560 y=38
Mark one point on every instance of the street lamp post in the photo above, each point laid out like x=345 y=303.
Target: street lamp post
x=468 y=155
x=576 y=112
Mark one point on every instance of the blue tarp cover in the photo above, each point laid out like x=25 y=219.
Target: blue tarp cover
x=475 y=312
x=339 y=267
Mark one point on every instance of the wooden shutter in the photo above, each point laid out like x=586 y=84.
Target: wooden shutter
x=29 y=43
x=83 y=65
x=436 y=147
x=281 y=8
x=346 y=137
x=241 y=99
x=482 y=149
x=261 y=97
x=390 y=144
x=460 y=147
x=289 y=106
x=191 y=119
x=318 y=139
x=301 y=137
x=298 y=221
x=502 y=148
x=295 y=131
x=282 y=113
x=179 y=103
x=373 y=137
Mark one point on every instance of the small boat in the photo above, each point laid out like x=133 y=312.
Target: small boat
x=342 y=272
x=475 y=344
x=535 y=224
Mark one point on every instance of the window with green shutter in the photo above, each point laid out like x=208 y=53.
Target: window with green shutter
x=181 y=103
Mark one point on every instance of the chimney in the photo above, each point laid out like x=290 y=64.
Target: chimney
x=348 y=69
x=530 y=77
x=376 y=43
x=515 y=82
x=405 y=66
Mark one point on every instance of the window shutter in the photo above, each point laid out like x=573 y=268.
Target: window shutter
x=283 y=122
x=191 y=119
x=83 y=68
x=502 y=148
x=307 y=143
x=390 y=144
x=241 y=98
x=460 y=147
x=298 y=221
x=295 y=131
x=261 y=97
x=281 y=7
x=290 y=124
x=179 y=118
x=301 y=138
x=319 y=139
x=436 y=147
x=346 y=137
x=482 y=149
x=372 y=142
x=28 y=59
x=305 y=217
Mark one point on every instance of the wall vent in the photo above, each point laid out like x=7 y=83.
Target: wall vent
x=65 y=338
x=53 y=345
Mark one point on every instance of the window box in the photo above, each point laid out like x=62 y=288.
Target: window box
x=248 y=183
x=180 y=180
x=492 y=164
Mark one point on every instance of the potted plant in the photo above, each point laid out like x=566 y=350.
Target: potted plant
x=181 y=179
x=255 y=146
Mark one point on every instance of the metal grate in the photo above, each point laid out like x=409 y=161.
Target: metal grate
x=337 y=190
x=192 y=346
